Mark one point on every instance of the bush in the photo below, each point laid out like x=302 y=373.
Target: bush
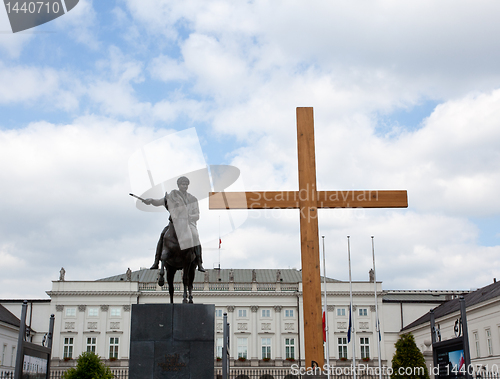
x=88 y=366
x=408 y=357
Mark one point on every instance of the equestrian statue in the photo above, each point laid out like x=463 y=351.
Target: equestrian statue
x=179 y=246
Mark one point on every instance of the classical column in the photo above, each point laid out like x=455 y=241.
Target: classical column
x=232 y=325
x=103 y=342
x=331 y=335
x=80 y=342
x=57 y=337
x=255 y=336
x=353 y=331
x=277 y=312
x=126 y=320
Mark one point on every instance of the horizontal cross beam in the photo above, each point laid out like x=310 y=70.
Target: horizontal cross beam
x=323 y=199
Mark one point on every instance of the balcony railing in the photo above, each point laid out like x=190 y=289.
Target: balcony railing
x=268 y=287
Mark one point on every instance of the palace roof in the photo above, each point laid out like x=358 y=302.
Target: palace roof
x=479 y=296
x=8 y=318
x=221 y=275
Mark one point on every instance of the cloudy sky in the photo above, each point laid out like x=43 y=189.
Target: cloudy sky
x=406 y=95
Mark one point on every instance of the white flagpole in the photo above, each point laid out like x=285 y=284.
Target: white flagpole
x=219 y=242
x=377 y=323
x=351 y=310
x=326 y=311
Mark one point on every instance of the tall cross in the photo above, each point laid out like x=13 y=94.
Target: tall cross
x=308 y=199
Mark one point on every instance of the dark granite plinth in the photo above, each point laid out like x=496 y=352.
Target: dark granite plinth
x=172 y=341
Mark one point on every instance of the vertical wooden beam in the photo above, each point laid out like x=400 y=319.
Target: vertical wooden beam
x=309 y=238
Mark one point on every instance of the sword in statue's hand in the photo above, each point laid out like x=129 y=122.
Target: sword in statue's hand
x=137 y=197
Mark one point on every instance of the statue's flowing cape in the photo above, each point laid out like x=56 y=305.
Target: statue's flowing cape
x=178 y=208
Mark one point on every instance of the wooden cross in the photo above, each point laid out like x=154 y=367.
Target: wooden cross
x=308 y=200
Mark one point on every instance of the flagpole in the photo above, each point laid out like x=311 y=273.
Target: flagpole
x=326 y=312
x=377 y=322
x=351 y=326
x=219 y=242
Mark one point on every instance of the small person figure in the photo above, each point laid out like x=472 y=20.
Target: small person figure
x=61 y=274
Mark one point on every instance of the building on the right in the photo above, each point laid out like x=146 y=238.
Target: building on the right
x=483 y=324
x=9 y=332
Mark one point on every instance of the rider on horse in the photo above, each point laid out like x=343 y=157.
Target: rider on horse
x=184 y=207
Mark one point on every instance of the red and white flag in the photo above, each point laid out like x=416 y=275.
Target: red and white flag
x=324 y=327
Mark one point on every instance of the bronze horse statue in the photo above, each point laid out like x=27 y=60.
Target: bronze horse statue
x=173 y=258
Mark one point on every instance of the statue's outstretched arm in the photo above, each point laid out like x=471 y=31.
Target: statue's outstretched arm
x=155 y=202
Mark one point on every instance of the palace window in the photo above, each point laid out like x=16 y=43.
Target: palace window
x=342 y=344
x=68 y=347
x=13 y=356
x=364 y=344
x=266 y=313
x=218 y=313
x=114 y=343
x=290 y=348
x=93 y=311
x=489 y=342
x=218 y=350
x=476 y=342
x=70 y=312
x=91 y=344
x=242 y=313
x=266 y=347
x=115 y=312
x=242 y=346
x=340 y=311
x=363 y=311
x=3 y=354
x=288 y=312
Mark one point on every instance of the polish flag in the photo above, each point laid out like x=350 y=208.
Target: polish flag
x=461 y=363
x=324 y=327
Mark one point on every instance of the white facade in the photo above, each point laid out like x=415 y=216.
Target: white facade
x=8 y=344
x=264 y=308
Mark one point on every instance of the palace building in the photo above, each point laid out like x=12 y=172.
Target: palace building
x=263 y=306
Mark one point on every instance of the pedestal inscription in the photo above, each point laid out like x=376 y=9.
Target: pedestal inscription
x=172 y=341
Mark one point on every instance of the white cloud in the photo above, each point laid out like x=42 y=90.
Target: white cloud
x=167 y=69
x=11 y=43
x=454 y=156
x=216 y=66
x=66 y=189
x=38 y=88
x=80 y=24
x=9 y=261
x=21 y=84
x=168 y=111
x=112 y=88
x=440 y=48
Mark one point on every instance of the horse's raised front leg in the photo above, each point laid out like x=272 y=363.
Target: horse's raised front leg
x=161 y=278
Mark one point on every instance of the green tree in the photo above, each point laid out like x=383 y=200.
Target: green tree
x=88 y=366
x=408 y=361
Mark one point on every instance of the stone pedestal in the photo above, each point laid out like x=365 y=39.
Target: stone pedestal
x=172 y=341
